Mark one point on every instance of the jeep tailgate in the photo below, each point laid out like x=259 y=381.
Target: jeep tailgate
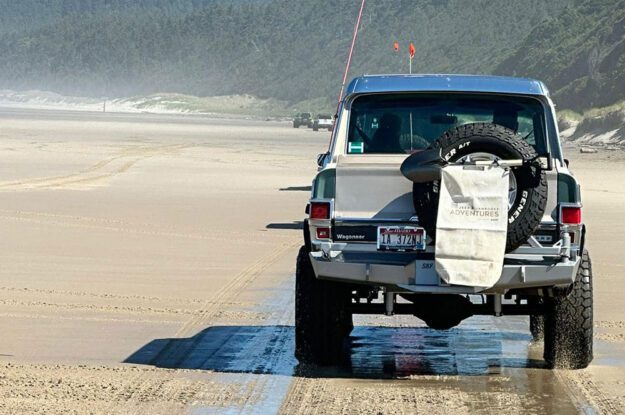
x=372 y=187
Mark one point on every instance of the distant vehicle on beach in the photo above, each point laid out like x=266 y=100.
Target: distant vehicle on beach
x=303 y=118
x=323 y=121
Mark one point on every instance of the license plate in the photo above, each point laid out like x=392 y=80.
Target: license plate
x=401 y=238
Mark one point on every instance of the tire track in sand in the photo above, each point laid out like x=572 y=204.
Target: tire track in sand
x=83 y=222
x=211 y=310
x=227 y=293
x=131 y=310
x=484 y=366
x=587 y=394
x=63 y=389
x=102 y=170
x=107 y=296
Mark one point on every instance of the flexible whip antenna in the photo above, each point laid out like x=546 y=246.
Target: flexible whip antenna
x=351 y=51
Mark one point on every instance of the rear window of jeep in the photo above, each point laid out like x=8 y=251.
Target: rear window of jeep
x=405 y=123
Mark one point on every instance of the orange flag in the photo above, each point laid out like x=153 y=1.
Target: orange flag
x=412 y=50
x=396 y=46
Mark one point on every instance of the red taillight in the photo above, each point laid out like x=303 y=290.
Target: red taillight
x=571 y=215
x=319 y=210
x=323 y=233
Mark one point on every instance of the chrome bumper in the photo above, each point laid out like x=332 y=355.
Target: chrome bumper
x=524 y=268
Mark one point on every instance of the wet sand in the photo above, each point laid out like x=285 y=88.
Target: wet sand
x=147 y=267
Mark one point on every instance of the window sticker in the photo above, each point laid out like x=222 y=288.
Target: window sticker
x=356 y=148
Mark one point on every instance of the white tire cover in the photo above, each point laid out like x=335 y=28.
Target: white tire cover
x=472 y=225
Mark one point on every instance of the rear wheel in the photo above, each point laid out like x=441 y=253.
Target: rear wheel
x=537 y=321
x=322 y=318
x=537 y=328
x=568 y=323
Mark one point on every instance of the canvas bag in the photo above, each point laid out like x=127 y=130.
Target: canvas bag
x=472 y=223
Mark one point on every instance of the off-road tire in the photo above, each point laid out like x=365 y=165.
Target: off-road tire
x=537 y=321
x=569 y=323
x=526 y=212
x=322 y=318
x=537 y=327
x=306 y=232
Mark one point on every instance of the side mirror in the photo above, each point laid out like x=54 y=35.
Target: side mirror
x=322 y=159
x=566 y=161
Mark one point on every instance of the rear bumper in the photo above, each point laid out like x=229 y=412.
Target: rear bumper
x=524 y=268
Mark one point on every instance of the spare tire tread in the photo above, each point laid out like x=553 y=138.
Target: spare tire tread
x=518 y=235
x=532 y=215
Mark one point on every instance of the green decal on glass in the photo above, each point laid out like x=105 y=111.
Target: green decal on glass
x=356 y=148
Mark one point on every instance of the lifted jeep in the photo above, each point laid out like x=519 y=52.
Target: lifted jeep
x=369 y=239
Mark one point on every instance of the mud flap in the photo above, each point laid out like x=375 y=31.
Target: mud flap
x=471 y=225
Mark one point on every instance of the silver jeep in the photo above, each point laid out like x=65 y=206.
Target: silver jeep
x=371 y=226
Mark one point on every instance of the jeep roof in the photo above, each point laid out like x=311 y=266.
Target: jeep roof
x=451 y=83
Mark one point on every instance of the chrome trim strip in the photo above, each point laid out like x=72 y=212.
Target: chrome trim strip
x=359 y=221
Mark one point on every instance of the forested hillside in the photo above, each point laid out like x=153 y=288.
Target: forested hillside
x=25 y=15
x=294 y=50
x=580 y=55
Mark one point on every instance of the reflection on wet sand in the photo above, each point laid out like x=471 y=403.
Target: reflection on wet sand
x=400 y=352
x=371 y=352
x=479 y=357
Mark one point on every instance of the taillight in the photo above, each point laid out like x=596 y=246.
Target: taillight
x=571 y=215
x=320 y=210
x=323 y=233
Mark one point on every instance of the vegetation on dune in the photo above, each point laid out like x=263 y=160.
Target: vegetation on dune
x=231 y=104
x=604 y=125
x=285 y=49
x=293 y=52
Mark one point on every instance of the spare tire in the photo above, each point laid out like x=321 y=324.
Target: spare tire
x=528 y=185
